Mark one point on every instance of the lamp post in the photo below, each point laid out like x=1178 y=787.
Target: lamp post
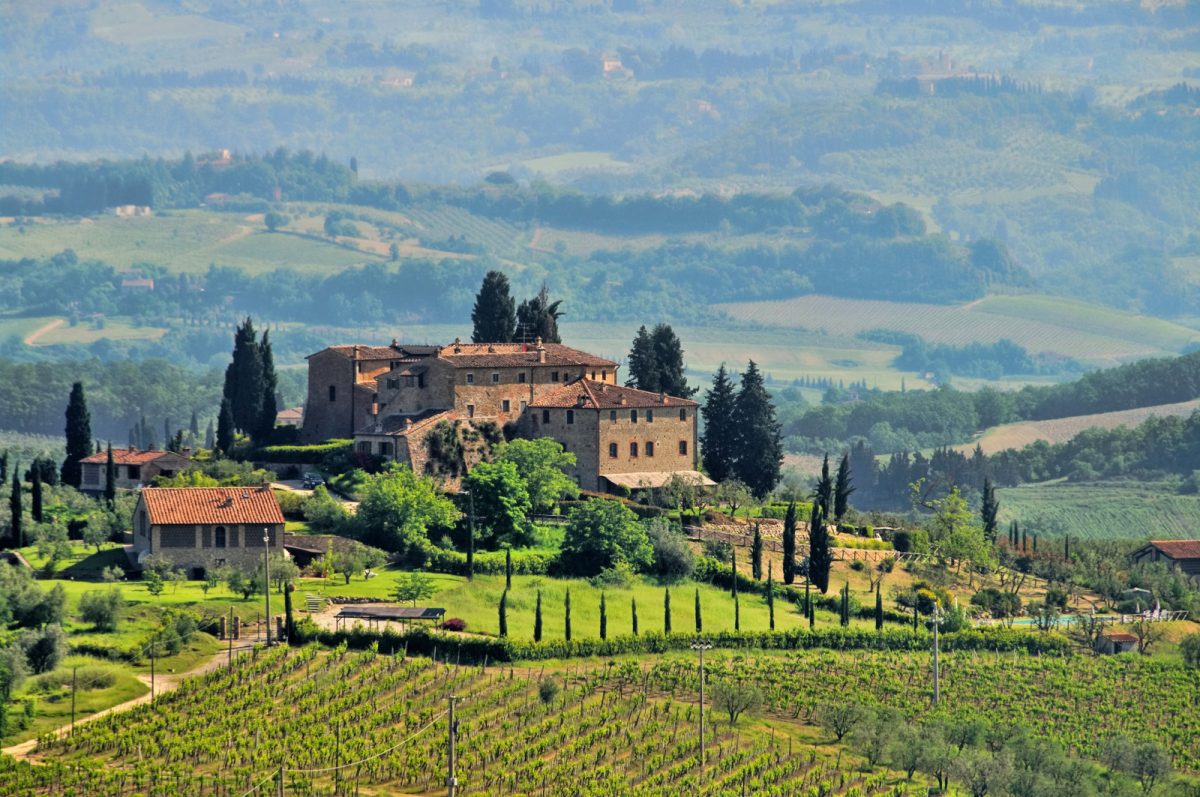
x=267 y=577
x=702 y=645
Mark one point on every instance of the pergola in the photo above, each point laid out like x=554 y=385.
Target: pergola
x=384 y=614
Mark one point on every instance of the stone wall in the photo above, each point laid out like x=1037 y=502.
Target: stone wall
x=195 y=546
x=660 y=426
x=328 y=415
x=578 y=431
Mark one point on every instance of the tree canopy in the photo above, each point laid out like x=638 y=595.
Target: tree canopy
x=494 y=315
x=400 y=509
x=601 y=534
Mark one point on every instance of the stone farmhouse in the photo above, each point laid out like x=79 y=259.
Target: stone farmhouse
x=391 y=399
x=200 y=528
x=1181 y=554
x=134 y=468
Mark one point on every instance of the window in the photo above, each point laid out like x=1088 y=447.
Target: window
x=683 y=447
x=505 y=405
x=612 y=416
x=633 y=450
x=495 y=377
x=420 y=380
x=570 y=417
x=604 y=376
x=470 y=378
x=554 y=376
x=333 y=392
x=364 y=447
x=521 y=377
x=393 y=384
x=135 y=471
x=633 y=416
x=682 y=414
x=649 y=448
x=545 y=416
x=470 y=410
x=593 y=376
x=612 y=450
x=385 y=449
x=649 y=416
x=219 y=537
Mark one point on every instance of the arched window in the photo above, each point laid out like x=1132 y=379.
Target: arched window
x=633 y=451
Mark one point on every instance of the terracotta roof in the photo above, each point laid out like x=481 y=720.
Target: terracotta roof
x=500 y=355
x=173 y=506
x=296 y=413
x=396 y=351
x=1120 y=636
x=1178 y=549
x=588 y=394
x=397 y=425
x=130 y=456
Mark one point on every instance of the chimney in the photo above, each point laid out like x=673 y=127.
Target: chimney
x=540 y=349
x=458 y=345
x=662 y=397
x=491 y=348
x=624 y=401
x=395 y=343
x=408 y=424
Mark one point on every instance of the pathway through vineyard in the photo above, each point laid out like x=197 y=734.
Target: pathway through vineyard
x=162 y=685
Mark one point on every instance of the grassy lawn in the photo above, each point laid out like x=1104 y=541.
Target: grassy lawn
x=51 y=694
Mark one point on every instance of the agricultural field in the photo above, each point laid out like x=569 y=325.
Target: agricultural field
x=1039 y=323
x=1104 y=510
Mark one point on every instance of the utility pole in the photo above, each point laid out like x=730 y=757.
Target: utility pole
x=451 y=780
x=937 y=673
x=702 y=645
x=267 y=577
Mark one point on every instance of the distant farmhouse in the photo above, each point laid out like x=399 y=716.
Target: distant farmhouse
x=399 y=402
x=1183 y=554
x=133 y=468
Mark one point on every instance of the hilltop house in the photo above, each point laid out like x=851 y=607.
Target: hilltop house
x=134 y=468
x=1183 y=554
x=199 y=528
x=390 y=399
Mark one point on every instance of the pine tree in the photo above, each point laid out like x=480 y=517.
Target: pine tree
x=759 y=446
x=989 y=510
x=538 y=318
x=79 y=436
x=603 y=617
x=633 y=611
x=504 y=613
x=537 y=618
x=668 y=361
x=820 y=558
x=824 y=493
x=495 y=313
x=842 y=489
x=643 y=364
x=771 y=593
x=718 y=441
x=756 y=552
x=567 y=616
x=789 y=544
x=507 y=568
x=878 y=610
x=14 y=507
x=225 y=427
x=699 y=617
x=265 y=427
x=667 y=611
x=35 y=493
x=244 y=380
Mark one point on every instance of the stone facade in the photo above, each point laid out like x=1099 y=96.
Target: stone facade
x=134 y=469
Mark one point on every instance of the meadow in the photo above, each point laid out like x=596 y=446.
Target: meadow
x=1101 y=510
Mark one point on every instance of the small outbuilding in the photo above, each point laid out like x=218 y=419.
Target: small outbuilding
x=132 y=468
x=1112 y=642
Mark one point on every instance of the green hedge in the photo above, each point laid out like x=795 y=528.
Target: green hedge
x=491 y=563
x=303 y=455
x=467 y=649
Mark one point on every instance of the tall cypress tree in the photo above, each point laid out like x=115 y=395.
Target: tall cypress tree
x=844 y=613
x=643 y=363
x=35 y=493
x=667 y=610
x=110 y=477
x=603 y=617
x=194 y=430
x=771 y=593
x=244 y=380
x=15 y=509
x=270 y=385
x=633 y=614
x=210 y=436
x=842 y=489
x=668 y=358
x=79 y=436
x=824 y=494
x=737 y=606
x=567 y=616
x=225 y=427
x=537 y=618
x=718 y=441
x=789 y=544
x=878 y=610
x=759 y=444
x=699 y=616
x=820 y=558
x=990 y=510
x=756 y=552
x=504 y=613
x=495 y=313
x=507 y=568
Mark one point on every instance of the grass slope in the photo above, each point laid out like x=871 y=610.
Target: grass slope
x=1101 y=510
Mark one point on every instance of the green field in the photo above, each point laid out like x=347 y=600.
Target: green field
x=1101 y=510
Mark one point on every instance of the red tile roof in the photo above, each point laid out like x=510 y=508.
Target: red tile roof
x=175 y=506
x=1120 y=636
x=1178 y=549
x=130 y=456
x=501 y=355
x=589 y=394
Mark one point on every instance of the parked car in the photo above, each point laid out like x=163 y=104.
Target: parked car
x=312 y=481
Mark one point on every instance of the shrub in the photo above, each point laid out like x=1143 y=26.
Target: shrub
x=102 y=609
x=911 y=540
x=548 y=690
x=529 y=562
x=43 y=648
x=1190 y=648
x=673 y=557
x=718 y=549
x=303 y=455
x=86 y=679
x=454 y=624
x=291 y=503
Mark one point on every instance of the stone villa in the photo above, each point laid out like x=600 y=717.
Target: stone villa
x=133 y=468
x=389 y=399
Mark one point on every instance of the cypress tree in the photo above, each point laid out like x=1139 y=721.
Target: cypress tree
x=79 y=436
x=507 y=568
x=35 y=493
x=567 y=616
x=504 y=614
x=845 y=606
x=820 y=558
x=737 y=613
x=824 y=494
x=495 y=313
x=225 y=428
x=1035 y=542
x=265 y=427
x=789 y=544
x=667 y=610
x=537 y=618
x=756 y=552
x=771 y=594
x=733 y=571
x=812 y=609
x=289 y=624
x=842 y=489
x=603 y=617
x=989 y=510
x=878 y=610
x=633 y=610
x=4 y=466
x=718 y=441
x=643 y=366
x=210 y=436
x=668 y=362
x=244 y=380
x=1066 y=544
x=194 y=430
x=759 y=446
x=14 y=506
x=699 y=617
x=1024 y=541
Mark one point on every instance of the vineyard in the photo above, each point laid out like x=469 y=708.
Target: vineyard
x=376 y=724
x=1101 y=510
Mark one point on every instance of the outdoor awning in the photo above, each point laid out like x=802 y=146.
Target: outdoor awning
x=653 y=479
x=360 y=612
